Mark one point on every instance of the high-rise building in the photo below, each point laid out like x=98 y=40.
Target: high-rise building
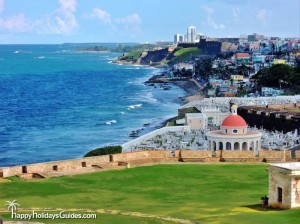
x=191 y=34
x=178 y=38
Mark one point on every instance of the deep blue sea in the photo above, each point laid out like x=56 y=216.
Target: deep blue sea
x=57 y=103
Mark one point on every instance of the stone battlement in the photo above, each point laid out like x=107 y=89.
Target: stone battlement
x=123 y=160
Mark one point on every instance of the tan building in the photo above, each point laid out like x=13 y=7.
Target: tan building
x=234 y=135
x=237 y=77
x=284 y=185
x=196 y=120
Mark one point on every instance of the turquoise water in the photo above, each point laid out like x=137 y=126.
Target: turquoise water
x=57 y=103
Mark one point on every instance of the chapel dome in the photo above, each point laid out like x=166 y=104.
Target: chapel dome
x=234 y=121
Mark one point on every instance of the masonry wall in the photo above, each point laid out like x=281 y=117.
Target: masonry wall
x=298 y=155
x=195 y=154
x=154 y=156
x=278 y=178
x=272 y=156
x=61 y=165
x=80 y=163
x=237 y=154
x=128 y=156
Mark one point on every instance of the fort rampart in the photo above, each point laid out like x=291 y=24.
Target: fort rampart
x=150 y=156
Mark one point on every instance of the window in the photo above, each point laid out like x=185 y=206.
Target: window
x=226 y=131
x=55 y=168
x=279 y=196
x=24 y=169
x=234 y=131
x=83 y=164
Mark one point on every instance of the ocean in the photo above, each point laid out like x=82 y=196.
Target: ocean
x=57 y=103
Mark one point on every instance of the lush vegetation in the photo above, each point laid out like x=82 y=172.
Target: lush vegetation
x=105 y=151
x=279 y=75
x=220 y=193
x=184 y=54
x=132 y=56
x=125 y=47
x=203 y=67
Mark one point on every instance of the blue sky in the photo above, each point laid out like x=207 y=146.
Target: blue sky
x=59 y=21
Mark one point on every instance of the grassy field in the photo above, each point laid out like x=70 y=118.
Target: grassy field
x=219 y=193
x=132 y=56
x=185 y=54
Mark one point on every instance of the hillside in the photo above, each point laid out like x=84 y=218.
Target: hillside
x=160 y=56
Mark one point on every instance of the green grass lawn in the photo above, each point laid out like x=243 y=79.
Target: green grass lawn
x=185 y=54
x=218 y=193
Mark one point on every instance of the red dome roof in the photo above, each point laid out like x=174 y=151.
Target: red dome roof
x=234 y=121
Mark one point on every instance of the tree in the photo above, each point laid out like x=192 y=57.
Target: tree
x=243 y=70
x=104 y=151
x=203 y=67
x=271 y=76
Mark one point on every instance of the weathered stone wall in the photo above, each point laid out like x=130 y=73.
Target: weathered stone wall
x=271 y=156
x=154 y=156
x=278 y=178
x=177 y=153
x=237 y=154
x=127 y=156
x=270 y=117
x=159 y=154
x=298 y=155
x=60 y=165
x=195 y=154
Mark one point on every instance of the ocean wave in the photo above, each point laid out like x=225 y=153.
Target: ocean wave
x=111 y=122
x=40 y=57
x=146 y=96
x=122 y=112
x=134 y=106
x=109 y=62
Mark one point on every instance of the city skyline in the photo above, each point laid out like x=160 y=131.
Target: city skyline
x=59 y=21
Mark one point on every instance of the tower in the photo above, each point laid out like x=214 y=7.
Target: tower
x=191 y=34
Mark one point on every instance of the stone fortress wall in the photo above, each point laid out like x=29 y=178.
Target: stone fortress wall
x=123 y=160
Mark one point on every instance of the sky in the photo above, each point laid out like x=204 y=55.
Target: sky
x=83 y=21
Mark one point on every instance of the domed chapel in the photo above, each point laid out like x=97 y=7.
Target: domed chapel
x=234 y=135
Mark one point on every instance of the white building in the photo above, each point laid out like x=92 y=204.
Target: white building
x=215 y=115
x=178 y=38
x=284 y=185
x=191 y=34
x=234 y=135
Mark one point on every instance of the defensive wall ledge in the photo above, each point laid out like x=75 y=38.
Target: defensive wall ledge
x=146 y=157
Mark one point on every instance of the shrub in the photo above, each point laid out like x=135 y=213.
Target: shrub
x=107 y=150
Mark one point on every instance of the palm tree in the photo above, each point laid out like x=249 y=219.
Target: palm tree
x=12 y=205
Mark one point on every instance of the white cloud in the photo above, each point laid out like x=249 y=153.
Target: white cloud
x=99 y=14
x=209 y=18
x=208 y=10
x=133 y=19
x=68 y=5
x=236 y=12
x=131 y=24
x=262 y=15
x=127 y=26
x=1 y=5
x=15 y=23
x=61 y=21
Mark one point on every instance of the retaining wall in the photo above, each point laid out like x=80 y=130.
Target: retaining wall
x=56 y=166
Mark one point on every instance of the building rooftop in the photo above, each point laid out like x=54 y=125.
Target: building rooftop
x=290 y=166
x=194 y=115
x=234 y=121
